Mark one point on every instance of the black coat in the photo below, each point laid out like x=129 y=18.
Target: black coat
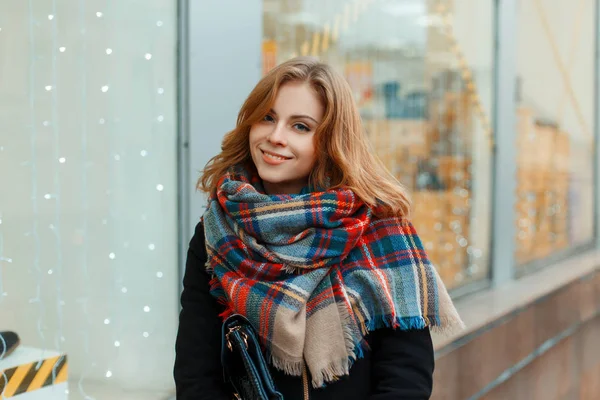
x=399 y=365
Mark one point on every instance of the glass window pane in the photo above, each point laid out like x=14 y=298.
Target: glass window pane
x=421 y=72
x=555 y=145
x=88 y=204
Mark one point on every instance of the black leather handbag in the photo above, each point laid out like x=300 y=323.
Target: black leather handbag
x=244 y=366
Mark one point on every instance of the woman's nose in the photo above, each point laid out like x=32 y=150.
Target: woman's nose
x=277 y=135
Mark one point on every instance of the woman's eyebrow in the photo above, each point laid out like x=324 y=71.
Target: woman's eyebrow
x=304 y=116
x=296 y=116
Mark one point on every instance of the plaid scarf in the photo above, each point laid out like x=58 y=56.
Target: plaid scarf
x=315 y=272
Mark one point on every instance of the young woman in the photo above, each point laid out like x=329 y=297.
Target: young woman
x=306 y=235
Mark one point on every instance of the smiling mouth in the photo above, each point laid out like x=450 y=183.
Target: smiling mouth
x=274 y=156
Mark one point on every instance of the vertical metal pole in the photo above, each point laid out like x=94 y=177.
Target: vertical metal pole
x=596 y=162
x=503 y=239
x=183 y=157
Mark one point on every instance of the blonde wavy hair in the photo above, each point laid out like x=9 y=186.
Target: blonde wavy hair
x=343 y=154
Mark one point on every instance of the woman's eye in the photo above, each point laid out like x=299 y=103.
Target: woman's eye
x=268 y=118
x=302 y=127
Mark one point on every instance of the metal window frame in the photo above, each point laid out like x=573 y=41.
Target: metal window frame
x=502 y=240
x=597 y=130
x=182 y=135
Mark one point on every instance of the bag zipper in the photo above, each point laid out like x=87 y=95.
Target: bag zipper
x=305 y=382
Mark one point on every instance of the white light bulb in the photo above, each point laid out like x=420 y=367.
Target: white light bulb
x=104 y=221
x=117 y=343
x=117 y=157
x=159 y=187
x=108 y=374
x=146 y=334
x=160 y=90
x=143 y=153
x=101 y=121
x=159 y=23
x=62 y=49
x=160 y=118
x=50 y=17
x=105 y=88
x=99 y=14
x=124 y=289
x=45 y=123
x=146 y=309
x=109 y=51
x=151 y=246
x=106 y=321
x=111 y=256
x=50 y=272
x=48 y=87
x=159 y=274
x=148 y=56
x=62 y=160
x=47 y=196
x=0 y=221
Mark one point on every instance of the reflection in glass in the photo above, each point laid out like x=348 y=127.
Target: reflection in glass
x=421 y=75
x=555 y=121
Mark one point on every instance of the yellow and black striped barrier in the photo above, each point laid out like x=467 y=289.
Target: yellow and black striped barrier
x=36 y=375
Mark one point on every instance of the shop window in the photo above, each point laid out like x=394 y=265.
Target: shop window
x=421 y=72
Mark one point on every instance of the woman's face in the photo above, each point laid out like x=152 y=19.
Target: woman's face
x=282 y=144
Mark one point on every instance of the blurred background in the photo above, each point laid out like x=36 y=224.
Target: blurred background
x=487 y=110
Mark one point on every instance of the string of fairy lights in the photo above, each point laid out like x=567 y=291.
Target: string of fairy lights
x=117 y=154
x=62 y=238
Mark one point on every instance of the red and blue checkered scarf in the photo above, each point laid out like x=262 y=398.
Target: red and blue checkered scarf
x=315 y=272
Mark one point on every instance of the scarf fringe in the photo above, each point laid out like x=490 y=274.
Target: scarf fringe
x=290 y=367
x=402 y=323
x=330 y=373
x=448 y=325
x=441 y=325
x=353 y=349
x=334 y=369
x=356 y=349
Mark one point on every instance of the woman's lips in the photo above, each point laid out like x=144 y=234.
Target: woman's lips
x=273 y=158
